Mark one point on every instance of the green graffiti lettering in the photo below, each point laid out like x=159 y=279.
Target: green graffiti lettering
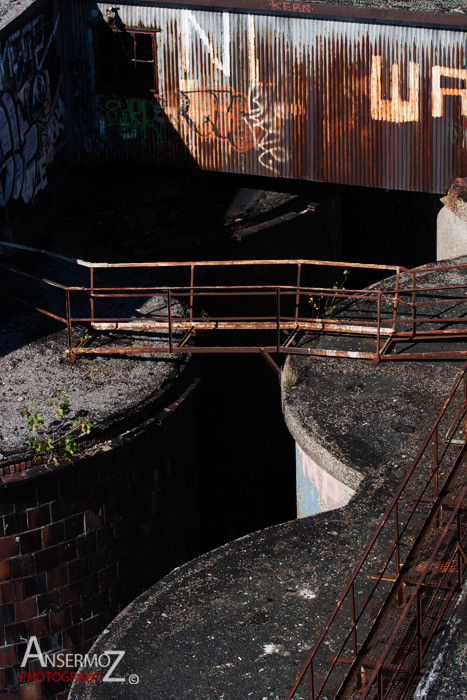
x=135 y=116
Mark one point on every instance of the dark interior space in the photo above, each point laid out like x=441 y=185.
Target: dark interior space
x=246 y=472
x=389 y=226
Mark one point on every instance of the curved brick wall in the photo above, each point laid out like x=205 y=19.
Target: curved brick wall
x=79 y=542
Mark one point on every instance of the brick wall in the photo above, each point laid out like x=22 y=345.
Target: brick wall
x=79 y=542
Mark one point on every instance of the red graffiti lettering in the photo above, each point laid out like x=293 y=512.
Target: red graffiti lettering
x=222 y=113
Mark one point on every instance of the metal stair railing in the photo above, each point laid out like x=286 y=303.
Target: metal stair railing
x=363 y=602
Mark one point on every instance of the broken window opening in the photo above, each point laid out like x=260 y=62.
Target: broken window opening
x=125 y=61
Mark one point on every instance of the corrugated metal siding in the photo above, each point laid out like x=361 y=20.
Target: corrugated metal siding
x=322 y=100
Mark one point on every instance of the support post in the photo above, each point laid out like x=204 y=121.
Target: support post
x=91 y=295
x=169 y=314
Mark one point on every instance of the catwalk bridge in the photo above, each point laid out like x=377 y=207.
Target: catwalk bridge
x=393 y=320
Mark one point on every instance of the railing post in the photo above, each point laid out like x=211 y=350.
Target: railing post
x=396 y=302
x=297 y=295
x=414 y=301
x=459 y=552
x=278 y=318
x=396 y=535
x=419 y=632
x=378 y=329
x=68 y=319
x=379 y=681
x=312 y=682
x=91 y=296
x=169 y=313
x=192 y=277
x=352 y=613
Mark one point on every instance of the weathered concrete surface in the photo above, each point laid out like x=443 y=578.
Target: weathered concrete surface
x=451 y=229
x=347 y=415
x=445 y=677
x=451 y=234
x=34 y=364
x=9 y=9
x=237 y=622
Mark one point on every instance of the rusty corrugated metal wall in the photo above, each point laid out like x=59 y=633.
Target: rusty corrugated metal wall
x=325 y=100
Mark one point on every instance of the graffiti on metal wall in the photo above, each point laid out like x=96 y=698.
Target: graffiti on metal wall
x=317 y=491
x=272 y=152
x=247 y=93
x=134 y=117
x=286 y=6
x=241 y=120
x=25 y=52
x=456 y=133
x=224 y=114
x=32 y=112
x=396 y=109
x=248 y=120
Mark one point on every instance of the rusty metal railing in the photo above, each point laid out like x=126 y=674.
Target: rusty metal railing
x=403 y=655
x=408 y=312
x=362 y=611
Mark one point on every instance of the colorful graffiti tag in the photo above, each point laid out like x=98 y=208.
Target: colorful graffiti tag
x=317 y=490
x=134 y=117
x=222 y=113
x=32 y=111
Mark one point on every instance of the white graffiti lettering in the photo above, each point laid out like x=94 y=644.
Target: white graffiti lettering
x=396 y=109
x=32 y=117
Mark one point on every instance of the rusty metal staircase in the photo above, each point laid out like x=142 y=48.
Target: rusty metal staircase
x=402 y=587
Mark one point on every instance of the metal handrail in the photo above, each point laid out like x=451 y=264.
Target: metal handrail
x=391 y=317
x=376 y=675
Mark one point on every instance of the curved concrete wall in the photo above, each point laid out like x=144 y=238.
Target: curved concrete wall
x=317 y=489
x=79 y=542
x=323 y=481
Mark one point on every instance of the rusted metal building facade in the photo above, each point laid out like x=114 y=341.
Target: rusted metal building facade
x=329 y=93
x=329 y=99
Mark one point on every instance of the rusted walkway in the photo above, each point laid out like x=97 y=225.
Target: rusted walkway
x=282 y=303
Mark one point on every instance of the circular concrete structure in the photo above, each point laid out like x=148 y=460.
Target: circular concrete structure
x=80 y=538
x=238 y=622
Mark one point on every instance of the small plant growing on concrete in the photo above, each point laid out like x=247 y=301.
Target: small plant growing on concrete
x=45 y=441
x=289 y=377
x=329 y=306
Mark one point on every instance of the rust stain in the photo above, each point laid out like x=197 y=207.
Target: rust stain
x=319 y=99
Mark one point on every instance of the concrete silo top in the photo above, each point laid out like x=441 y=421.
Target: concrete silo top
x=10 y=9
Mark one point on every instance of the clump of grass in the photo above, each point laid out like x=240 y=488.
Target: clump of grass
x=289 y=377
x=45 y=442
x=329 y=306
